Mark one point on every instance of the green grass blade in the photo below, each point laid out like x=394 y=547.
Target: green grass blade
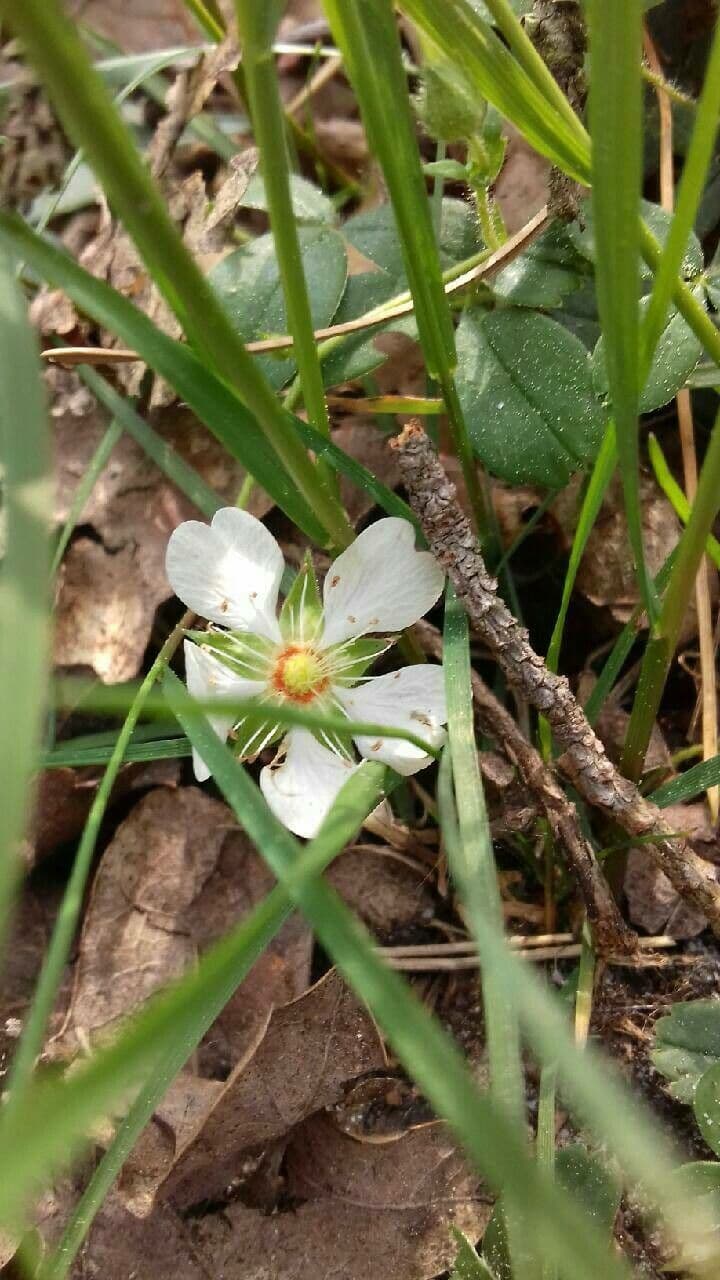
x=663 y=643
x=620 y=651
x=690 y=784
x=675 y=495
x=66 y=755
x=689 y=194
x=24 y=599
x=474 y=48
x=472 y=865
x=94 y=470
x=214 y=402
x=600 y=478
x=367 y=34
x=87 y=113
x=616 y=125
x=263 y=93
x=109 y=698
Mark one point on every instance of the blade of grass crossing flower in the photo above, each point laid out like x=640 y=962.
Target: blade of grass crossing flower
x=616 y=125
x=261 y=84
x=472 y=865
x=91 y=120
x=488 y=1135
x=597 y=487
x=367 y=35
x=675 y=495
x=24 y=597
x=689 y=194
x=660 y=650
x=214 y=402
x=360 y=794
x=94 y=470
x=108 y=698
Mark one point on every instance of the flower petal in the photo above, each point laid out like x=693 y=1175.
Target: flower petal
x=228 y=571
x=412 y=698
x=301 y=790
x=208 y=678
x=381 y=583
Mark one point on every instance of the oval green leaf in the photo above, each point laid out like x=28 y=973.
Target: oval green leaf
x=526 y=391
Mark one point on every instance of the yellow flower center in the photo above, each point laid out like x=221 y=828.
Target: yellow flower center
x=298 y=674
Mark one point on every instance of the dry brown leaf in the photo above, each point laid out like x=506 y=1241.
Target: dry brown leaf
x=606 y=575
x=139 y=26
x=368 y=1211
x=178 y=874
x=311 y=1048
x=653 y=904
x=121 y=1247
x=387 y=892
x=522 y=186
x=30 y=930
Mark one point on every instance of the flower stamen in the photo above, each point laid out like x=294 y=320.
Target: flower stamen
x=299 y=674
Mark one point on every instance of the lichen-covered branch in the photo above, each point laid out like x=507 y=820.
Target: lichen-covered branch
x=433 y=498
x=611 y=935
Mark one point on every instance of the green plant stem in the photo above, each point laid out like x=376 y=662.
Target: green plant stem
x=662 y=645
x=87 y=112
x=63 y=933
x=270 y=135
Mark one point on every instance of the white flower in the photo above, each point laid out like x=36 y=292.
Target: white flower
x=314 y=654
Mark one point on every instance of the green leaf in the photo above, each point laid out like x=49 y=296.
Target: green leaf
x=249 y=284
x=467 y=1264
x=582 y=236
x=687 y=1044
x=374 y=234
x=676 y=355
x=214 y=402
x=544 y=274
x=525 y=386
x=586 y=1176
x=309 y=203
x=27 y=502
x=706 y=1105
x=495 y=1245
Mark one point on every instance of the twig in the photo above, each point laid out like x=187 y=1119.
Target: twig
x=585 y=763
x=610 y=932
x=401 y=306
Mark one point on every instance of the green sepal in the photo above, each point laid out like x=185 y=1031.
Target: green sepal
x=341 y=745
x=244 y=653
x=247 y=739
x=350 y=660
x=301 y=614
